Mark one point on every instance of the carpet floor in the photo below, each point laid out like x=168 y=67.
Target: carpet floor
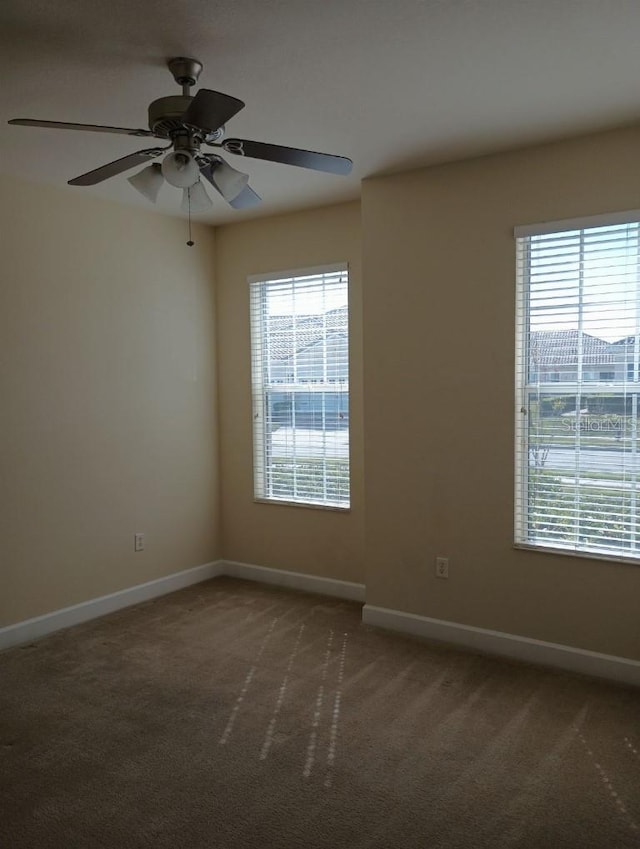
x=238 y=716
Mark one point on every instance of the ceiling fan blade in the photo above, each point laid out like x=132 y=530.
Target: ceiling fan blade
x=209 y=110
x=94 y=128
x=289 y=155
x=116 y=167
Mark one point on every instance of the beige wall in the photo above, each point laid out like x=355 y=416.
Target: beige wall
x=107 y=417
x=318 y=542
x=108 y=385
x=439 y=401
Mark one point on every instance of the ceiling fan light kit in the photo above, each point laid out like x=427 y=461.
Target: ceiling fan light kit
x=189 y=123
x=149 y=181
x=195 y=199
x=227 y=180
x=180 y=169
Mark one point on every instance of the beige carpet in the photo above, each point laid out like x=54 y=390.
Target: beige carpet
x=235 y=715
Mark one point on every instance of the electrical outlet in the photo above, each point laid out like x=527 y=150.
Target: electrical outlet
x=138 y=542
x=442 y=567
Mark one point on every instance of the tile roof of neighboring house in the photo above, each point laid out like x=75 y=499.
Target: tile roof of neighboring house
x=288 y=337
x=628 y=340
x=560 y=348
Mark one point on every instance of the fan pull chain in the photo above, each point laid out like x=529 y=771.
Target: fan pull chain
x=190 y=243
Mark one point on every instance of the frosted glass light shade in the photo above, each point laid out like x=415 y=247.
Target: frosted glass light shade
x=200 y=200
x=148 y=182
x=228 y=181
x=180 y=169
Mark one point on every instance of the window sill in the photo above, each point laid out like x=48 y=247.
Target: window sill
x=585 y=555
x=306 y=505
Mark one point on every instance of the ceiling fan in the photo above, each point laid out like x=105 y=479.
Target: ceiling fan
x=188 y=123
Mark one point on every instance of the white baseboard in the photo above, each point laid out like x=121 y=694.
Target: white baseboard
x=40 y=626
x=525 y=649
x=31 y=629
x=613 y=668
x=294 y=580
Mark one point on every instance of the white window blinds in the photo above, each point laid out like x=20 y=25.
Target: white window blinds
x=300 y=380
x=577 y=385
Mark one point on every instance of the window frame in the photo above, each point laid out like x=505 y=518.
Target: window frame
x=523 y=387
x=260 y=388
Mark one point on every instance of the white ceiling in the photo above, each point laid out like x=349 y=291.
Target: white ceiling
x=392 y=84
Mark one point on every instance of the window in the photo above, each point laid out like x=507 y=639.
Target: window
x=300 y=379
x=577 y=355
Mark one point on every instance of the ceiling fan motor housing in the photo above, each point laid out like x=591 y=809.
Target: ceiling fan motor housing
x=166 y=114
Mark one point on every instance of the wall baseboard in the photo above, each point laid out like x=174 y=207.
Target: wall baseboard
x=40 y=626
x=294 y=580
x=66 y=617
x=621 y=669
